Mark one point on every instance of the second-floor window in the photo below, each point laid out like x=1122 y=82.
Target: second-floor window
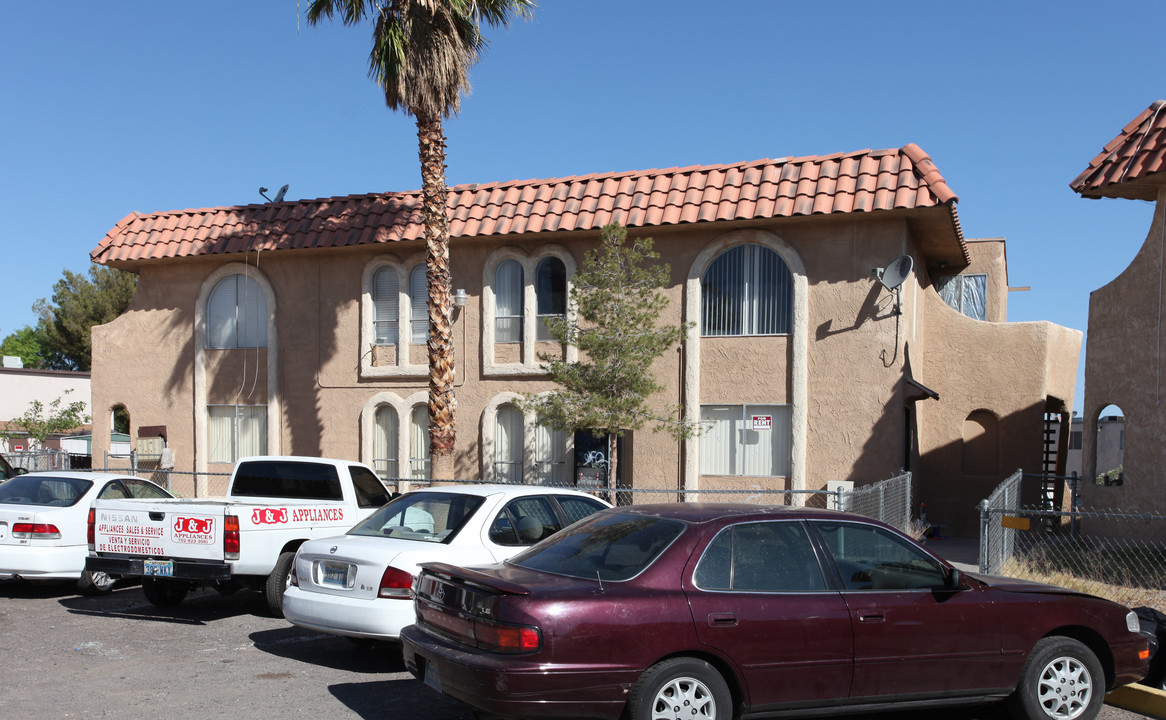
x=550 y=289
x=965 y=293
x=508 y=302
x=236 y=314
x=386 y=305
x=747 y=290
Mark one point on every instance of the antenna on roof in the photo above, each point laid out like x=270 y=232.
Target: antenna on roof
x=278 y=196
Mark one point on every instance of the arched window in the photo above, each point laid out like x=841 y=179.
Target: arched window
x=386 y=304
x=119 y=419
x=419 y=443
x=981 y=447
x=508 y=444
x=384 y=446
x=550 y=289
x=236 y=314
x=508 y=303
x=419 y=306
x=747 y=290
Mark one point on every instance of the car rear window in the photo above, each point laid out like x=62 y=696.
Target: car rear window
x=46 y=491
x=424 y=516
x=284 y=479
x=608 y=546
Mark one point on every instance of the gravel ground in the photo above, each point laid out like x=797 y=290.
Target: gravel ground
x=216 y=656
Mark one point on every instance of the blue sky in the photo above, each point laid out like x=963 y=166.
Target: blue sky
x=109 y=108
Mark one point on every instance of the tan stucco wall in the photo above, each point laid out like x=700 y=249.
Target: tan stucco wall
x=1010 y=370
x=1124 y=367
x=842 y=370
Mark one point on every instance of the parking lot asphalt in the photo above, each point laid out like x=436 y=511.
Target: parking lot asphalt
x=218 y=656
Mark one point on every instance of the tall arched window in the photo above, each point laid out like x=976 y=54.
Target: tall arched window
x=419 y=443
x=386 y=304
x=508 y=302
x=747 y=290
x=419 y=306
x=550 y=289
x=508 y=444
x=236 y=314
x=384 y=446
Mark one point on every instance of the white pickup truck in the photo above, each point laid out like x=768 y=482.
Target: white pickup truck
x=246 y=539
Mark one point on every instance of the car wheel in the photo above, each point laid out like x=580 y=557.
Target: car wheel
x=277 y=582
x=94 y=583
x=164 y=593
x=680 y=688
x=1061 y=680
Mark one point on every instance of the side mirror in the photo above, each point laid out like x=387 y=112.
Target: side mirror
x=953 y=580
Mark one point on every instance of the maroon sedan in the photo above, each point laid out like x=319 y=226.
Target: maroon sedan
x=720 y=611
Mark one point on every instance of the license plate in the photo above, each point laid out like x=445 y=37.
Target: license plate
x=432 y=679
x=3 y=530
x=158 y=568
x=334 y=574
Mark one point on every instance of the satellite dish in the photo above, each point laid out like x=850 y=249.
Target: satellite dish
x=283 y=191
x=897 y=272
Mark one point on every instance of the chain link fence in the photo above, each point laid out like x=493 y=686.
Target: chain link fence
x=47 y=459
x=888 y=500
x=1053 y=539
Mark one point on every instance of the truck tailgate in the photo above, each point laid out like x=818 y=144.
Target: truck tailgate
x=182 y=529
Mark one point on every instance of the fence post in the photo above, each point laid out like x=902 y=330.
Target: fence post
x=984 y=544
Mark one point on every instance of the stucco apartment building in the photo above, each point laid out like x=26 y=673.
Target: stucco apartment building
x=298 y=327
x=1126 y=341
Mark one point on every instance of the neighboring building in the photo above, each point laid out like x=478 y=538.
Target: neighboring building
x=299 y=327
x=21 y=386
x=1124 y=363
x=1110 y=444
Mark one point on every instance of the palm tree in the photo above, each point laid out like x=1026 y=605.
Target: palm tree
x=421 y=58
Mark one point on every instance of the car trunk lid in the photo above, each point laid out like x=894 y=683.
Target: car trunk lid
x=453 y=602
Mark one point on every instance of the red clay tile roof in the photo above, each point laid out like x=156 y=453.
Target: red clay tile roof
x=1131 y=165
x=864 y=181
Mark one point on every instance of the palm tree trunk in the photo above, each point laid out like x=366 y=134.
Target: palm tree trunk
x=431 y=150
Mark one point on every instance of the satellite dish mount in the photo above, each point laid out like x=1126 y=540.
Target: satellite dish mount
x=894 y=275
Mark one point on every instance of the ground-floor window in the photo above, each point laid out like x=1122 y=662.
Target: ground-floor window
x=508 y=445
x=419 y=443
x=746 y=440
x=550 y=456
x=235 y=431
x=384 y=442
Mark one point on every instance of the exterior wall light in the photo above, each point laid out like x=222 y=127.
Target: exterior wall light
x=460 y=298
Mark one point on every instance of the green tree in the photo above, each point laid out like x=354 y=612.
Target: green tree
x=30 y=346
x=41 y=421
x=615 y=307
x=421 y=58
x=79 y=303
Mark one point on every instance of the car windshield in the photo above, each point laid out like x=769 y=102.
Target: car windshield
x=608 y=546
x=44 y=490
x=425 y=516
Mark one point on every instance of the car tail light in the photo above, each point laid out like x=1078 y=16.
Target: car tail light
x=293 y=579
x=90 y=536
x=36 y=531
x=396 y=584
x=231 y=537
x=505 y=638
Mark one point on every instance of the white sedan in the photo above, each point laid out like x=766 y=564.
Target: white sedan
x=43 y=523
x=360 y=584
